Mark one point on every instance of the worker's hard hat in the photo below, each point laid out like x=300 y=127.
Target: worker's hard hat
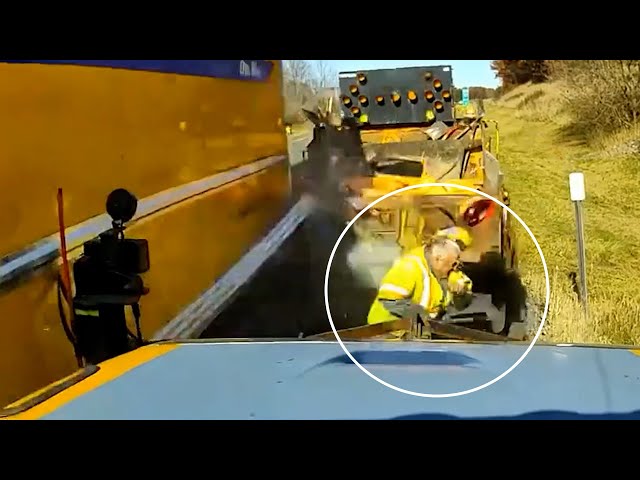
x=456 y=234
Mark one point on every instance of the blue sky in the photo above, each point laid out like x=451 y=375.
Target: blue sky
x=466 y=73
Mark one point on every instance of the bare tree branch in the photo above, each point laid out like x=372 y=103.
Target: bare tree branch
x=296 y=74
x=324 y=76
x=304 y=81
x=602 y=95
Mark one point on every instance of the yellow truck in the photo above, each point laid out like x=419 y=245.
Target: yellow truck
x=202 y=146
x=404 y=128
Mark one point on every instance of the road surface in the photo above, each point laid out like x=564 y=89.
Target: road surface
x=286 y=298
x=297 y=143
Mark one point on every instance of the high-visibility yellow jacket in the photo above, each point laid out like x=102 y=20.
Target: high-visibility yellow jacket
x=407 y=279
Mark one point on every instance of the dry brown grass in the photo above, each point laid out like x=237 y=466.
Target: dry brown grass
x=601 y=96
x=540 y=103
x=537 y=157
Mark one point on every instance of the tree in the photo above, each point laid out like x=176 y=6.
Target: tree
x=323 y=75
x=297 y=73
x=480 y=93
x=517 y=72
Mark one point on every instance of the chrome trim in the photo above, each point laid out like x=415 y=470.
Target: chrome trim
x=44 y=251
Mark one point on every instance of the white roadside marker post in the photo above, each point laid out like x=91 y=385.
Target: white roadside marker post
x=577 y=191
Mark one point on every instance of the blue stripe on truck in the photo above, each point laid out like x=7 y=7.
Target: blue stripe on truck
x=256 y=70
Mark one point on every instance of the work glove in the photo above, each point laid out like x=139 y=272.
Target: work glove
x=458 y=283
x=459 y=286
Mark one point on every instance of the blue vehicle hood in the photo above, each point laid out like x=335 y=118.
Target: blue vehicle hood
x=316 y=380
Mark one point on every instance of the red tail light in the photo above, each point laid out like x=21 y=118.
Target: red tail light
x=478 y=211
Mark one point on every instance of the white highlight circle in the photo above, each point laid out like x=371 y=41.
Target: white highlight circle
x=438 y=395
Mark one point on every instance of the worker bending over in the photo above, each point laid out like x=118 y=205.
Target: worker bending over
x=427 y=275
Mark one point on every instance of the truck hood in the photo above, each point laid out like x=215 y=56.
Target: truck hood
x=317 y=380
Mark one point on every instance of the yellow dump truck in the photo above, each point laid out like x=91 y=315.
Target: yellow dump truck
x=403 y=126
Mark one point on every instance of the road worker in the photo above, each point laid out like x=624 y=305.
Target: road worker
x=428 y=275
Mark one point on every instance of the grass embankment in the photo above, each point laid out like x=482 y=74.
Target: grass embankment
x=537 y=155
